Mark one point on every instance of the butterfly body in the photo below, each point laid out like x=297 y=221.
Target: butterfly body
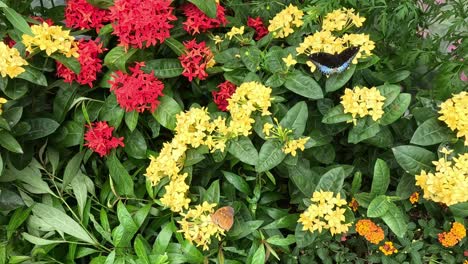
x=334 y=63
x=224 y=217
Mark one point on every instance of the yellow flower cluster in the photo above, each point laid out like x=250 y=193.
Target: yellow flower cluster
x=388 y=248
x=326 y=41
x=198 y=227
x=2 y=101
x=361 y=102
x=248 y=98
x=325 y=212
x=176 y=194
x=449 y=183
x=235 y=31
x=195 y=128
x=454 y=112
x=11 y=61
x=51 y=39
x=289 y=61
x=283 y=23
x=340 y=19
x=291 y=145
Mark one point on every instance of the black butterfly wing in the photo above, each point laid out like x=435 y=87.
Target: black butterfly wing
x=326 y=59
x=347 y=55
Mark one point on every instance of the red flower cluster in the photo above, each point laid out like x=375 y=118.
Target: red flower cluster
x=99 y=138
x=90 y=62
x=198 y=22
x=257 y=24
x=140 y=23
x=138 y=91
x=82 y=15
x=226 y=90
x=195 y=60
x=49 y=21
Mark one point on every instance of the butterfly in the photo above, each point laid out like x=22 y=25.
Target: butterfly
x=224 y=217
x=334 y=63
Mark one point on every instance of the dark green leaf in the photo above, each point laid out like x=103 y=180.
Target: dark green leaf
x=71 y=62
x=395 y=109
x=243 y=149
x=337 y=81
x=131 y=119
x=17 y=20
x=117 y=58
x=209 y=7
x=122 y=180
x=296 y=118
x=40 y=127
x=332 y=180
x=72 y=169
x=431 y=132
x=33 y=75
x=395 y=220
x=238 y=182
x=251 y=57
x=9 y=142
x=9 y=200
x=378 y=206
x=414 y=159
x=381 y=178
x=271 y=154
x=166 y=112
x=164 y=68
x=135 y=144
x=336 y=115
x=303 y=85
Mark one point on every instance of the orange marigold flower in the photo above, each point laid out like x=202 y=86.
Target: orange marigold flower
x=458 y=230
x=414 y=198
x=370 y=231
x=388 y=248
x=353 y=204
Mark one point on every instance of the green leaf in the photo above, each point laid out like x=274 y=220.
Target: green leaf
x=431 y=132
x=117 y=58
x=396 y=109
x=61 y=222
x=40 y=241
x=244 y=229
x=111 y=112
x=135 y=144
x=122 y=180
x=212 y=194
x=336 y=115
x=414 y=159
x=141 y=250
x=274 y=60
x=251 y=57
x=9 y=200
x=238 y=182
x=80 y=191
x=357 y=182
x=271 y=154
x=390 y=92
x=166 y=112
x=17 y=20
x=332 y=180
x=162 y=240
x=324 y=154
x=40 y=127
x=9 y=142
x=280 y=241
x=288 y=221
x=72 y=169
x=378 y=206
x=303 y=85
x=63 y=100
x=296 y=118
x=131 y=119
x=208 y=7
x=406 y=186
x=71 y=62
x=337 y=81
x=395 y=220
x=303 y=237
x=33 y=75
x=381 y=178
x=460 y=209
x=259 y=255
x=177 y=47
x=364 y=129
x=16 y=220
x=303 y=177
x=164 y=68
x=243 y=149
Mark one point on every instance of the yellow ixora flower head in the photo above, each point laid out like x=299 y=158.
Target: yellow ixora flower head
x=362 y=102
x=454 y=112
x=11 y=62
x=198 y=227
x=341 y=19
x=176 y=194
x=449 y=183
x=289 y=61
x=283 y=23
x=326 y=212
x=235 y=31
x=51 y=39
x=285 y=135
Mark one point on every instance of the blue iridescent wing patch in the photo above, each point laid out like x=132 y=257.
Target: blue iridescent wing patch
x=334 y=63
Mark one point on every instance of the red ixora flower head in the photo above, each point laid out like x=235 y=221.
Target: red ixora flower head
x=138 y=91
x=99 y=138
x=49 y=21
x=80 y=14
x=257 y=24
x=226 y=89
x=196 y=59
x=198 y=22
x=90 y=62
x=140 y=23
